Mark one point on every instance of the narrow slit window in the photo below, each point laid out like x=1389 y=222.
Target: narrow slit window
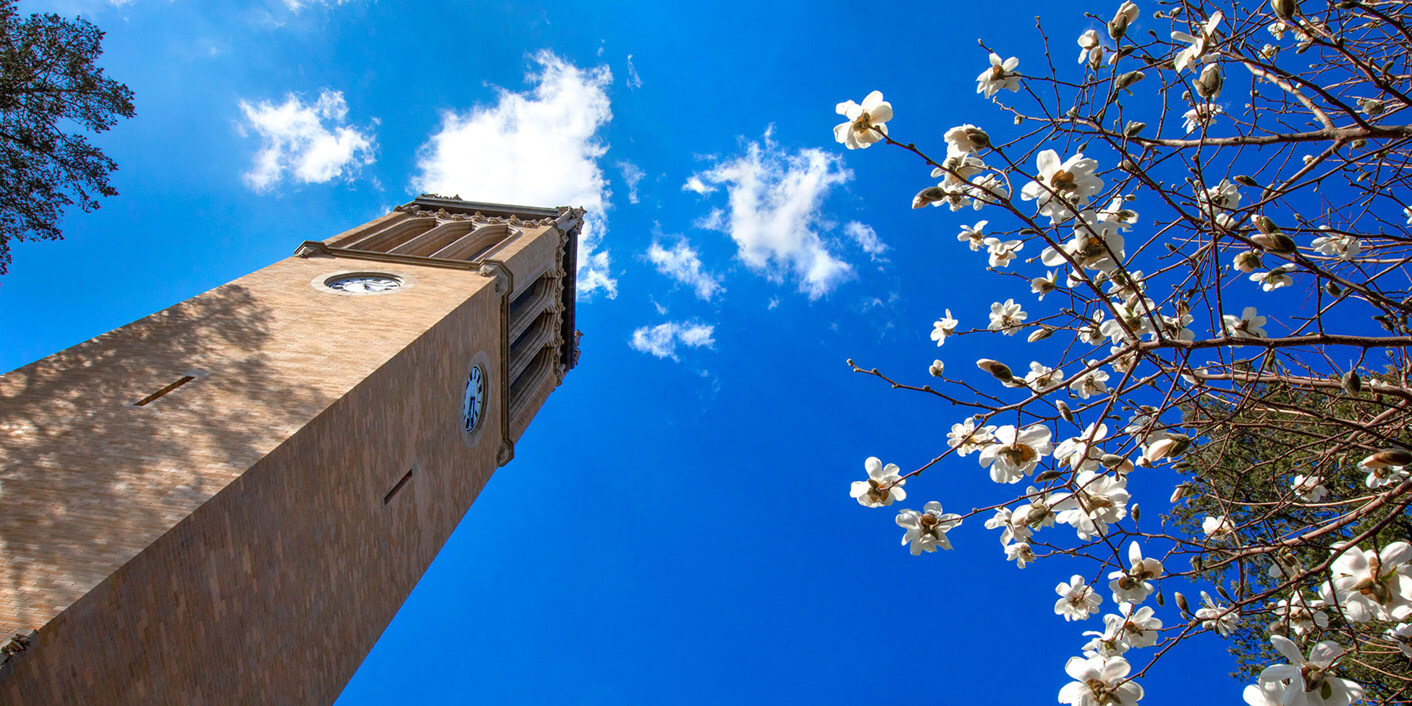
x=388 y=498
x=163 y=392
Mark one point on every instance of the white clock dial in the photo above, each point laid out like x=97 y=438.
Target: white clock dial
x=473 y=403
x=364 y=284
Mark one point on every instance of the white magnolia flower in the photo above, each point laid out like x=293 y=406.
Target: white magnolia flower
x=865 y=124
x=988 y=189
x=1088 y=41
x=1194 y=53
x=1020 y=553
x=1343 y=247
x=1402 y=637
x=1006 y=318
x=1097 y=501
x=1077 y=600
x=973 y=236
x=1132 y=628
x=1301 y=614
x=1303 y=682
x=1275 y=278
x=1310 y=489
x=1009 y=532
x=1042 y=378
x=1372 y=585
x=927 y=530
x=883 y=487
x=1015 y=452
x=1383 y=476
x=1382 y=470
x=1247 y=325
x=1001 y=74
x=943 y=327
x=1201 y=115
x=1043 y=285
x=1072 y=180
x=937 y=368
x=966 y=437
x=1116 y=213
x=1002 y=251
x=1178 y=327
x=1034 y=516
x=1223 y=619
x=1099 y=681
x=1094 y=245
x=957 y=168
x=963 y=139
x=1218 y=527
x=1407 y=211
x=1277 y=29
x=1093 y=382
x=1134 y=584
x=1223 y=196
x=1081 y=452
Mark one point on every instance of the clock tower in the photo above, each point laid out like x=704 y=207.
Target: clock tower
x=227 y=501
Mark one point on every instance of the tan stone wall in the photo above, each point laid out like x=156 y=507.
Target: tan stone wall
x=228 y=543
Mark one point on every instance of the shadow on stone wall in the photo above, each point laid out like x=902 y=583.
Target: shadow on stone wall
x=89 y=480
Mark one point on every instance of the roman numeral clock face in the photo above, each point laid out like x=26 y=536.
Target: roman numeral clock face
x=473 y=403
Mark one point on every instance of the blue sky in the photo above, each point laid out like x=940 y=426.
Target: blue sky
x=676 y=525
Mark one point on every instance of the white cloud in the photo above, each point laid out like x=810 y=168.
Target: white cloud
x=775 y=201
x=297 y=5
x=538 y=148
x=663 y=340
x=865 y=237
x=307 y=142
x=633 y=176
x=634 y=81
x=682 y=264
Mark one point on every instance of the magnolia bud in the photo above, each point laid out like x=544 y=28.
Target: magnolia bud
x=996 y=368
x=1179 y=492
x=1266 y=225
x=1248 y=261
x=1111 y=461
x=1040 y=334
x=928 y=196
x=1127 y=80
x=1244 y=180
x=1134 y=127
x=936 y=369
x=1285 y=9
x=1064 y=411
x=1352 y=384
x=1276 y=242
x=1136 y=512
x=1387 y=458
x=1332 y=288
x=1046 y=476
x=1208 y=85
x=1182 y=605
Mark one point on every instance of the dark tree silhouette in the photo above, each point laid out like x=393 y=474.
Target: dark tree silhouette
x=51 y=89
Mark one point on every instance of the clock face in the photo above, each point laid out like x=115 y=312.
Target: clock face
x=473 y=403
x=364 y=284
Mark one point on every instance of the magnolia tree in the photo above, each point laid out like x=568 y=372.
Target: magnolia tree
x=1253 y=318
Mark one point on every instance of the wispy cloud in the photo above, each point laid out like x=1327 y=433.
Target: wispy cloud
x=632 y=176
x=775 y=201
x=307 y=142
x=540 y=148
x=682 y=263
x=663 y=340
x=634 y=81
x=865 y=237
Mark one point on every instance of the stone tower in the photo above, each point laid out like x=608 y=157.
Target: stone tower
x=227 y=501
